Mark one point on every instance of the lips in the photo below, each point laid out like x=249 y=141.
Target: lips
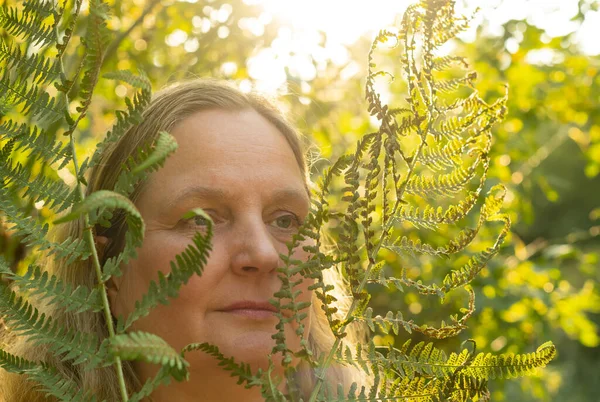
x=250 y=305
x=251 y=309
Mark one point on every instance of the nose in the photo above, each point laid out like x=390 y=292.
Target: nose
x=253 y=250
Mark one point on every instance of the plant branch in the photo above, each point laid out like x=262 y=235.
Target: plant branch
x=87 y=229
x=114 y=45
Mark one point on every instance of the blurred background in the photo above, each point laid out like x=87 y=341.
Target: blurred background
x=312 y=56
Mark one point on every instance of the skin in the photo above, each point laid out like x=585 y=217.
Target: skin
x=245 y=157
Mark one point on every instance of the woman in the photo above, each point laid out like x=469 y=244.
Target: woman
x=242 y=162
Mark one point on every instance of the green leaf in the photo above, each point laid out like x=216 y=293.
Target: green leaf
x=149 y=348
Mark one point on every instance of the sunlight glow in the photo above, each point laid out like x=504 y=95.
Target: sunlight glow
x=314 y=33
x=317 y=32
x=344 y=21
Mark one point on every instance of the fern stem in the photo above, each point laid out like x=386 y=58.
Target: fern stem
x=88 y=235
x=387 y=227
x=89 y=238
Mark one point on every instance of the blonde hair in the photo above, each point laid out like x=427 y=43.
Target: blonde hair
x=168 y=107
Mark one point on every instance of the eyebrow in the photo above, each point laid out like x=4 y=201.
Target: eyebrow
x=219 y=194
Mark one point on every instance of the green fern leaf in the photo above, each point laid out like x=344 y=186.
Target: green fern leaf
x=442 y=185
x=430 y=217
x=439 y=157
x=133 y=115
x=96 y=205
x=51 y=382
x=15 y=364
x=36 y=67
x=35 y=102
x=26 y=25
x=54 y=193
x=446 y=86
x=240 y=370
x=49 y=286
x=163 y=377
x=148 y=160
x=149 y=348
x=21 y=317
x=36 y=236
x=140 y=81
x=105 y=199
x=95 y=42
x=41 y=144
x=191 y=261
x=442 y=63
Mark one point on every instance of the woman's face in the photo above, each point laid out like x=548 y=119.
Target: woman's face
x=240 y=169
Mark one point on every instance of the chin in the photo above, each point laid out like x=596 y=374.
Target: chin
x=251 y=347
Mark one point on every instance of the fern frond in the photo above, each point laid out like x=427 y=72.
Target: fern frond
x=35 y=102
x=148 y=159
x=41 y=144
x=444 y=34
x=39 y=282
x=140 y=81
x=489 y=212
x=465 y=388
x=109 y=200
x=440 y=157
x=36 y=236
x=97 y=205
x=68 y=32
x=446 y=86
x=21 y=317
x=240 y=370
x=418 y=389
x=43 y=8
x=390 y=323
x=423 y=359
x=36 y=67
x=442 y=185
x=442 y=63
x=393 y=321
x=26 y=25
x=430 y=217
x=55 y=193
x=54 y=384
x=163 y=377
x=51 y=382
x=95 y=42
x=16 y=364
x=486 y=365
x=191 y=261
x=351 y=395
x=149 y=348
x=286 y=299
x=358 y=358
x=129 y=118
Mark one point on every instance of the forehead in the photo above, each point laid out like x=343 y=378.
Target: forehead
x=236 y=150
x=230 y=132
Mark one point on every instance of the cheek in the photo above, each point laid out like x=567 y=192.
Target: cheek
x=154 y=256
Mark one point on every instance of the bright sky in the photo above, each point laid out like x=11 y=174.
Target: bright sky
x=344 y=21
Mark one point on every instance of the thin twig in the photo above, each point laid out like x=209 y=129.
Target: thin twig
x=112 y=48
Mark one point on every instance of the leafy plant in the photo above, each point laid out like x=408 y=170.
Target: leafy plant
x=424 y=168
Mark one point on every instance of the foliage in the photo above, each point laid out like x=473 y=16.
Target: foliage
x=400 y=196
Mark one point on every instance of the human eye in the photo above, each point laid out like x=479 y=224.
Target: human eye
x=201 y=221
x=287 y=222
